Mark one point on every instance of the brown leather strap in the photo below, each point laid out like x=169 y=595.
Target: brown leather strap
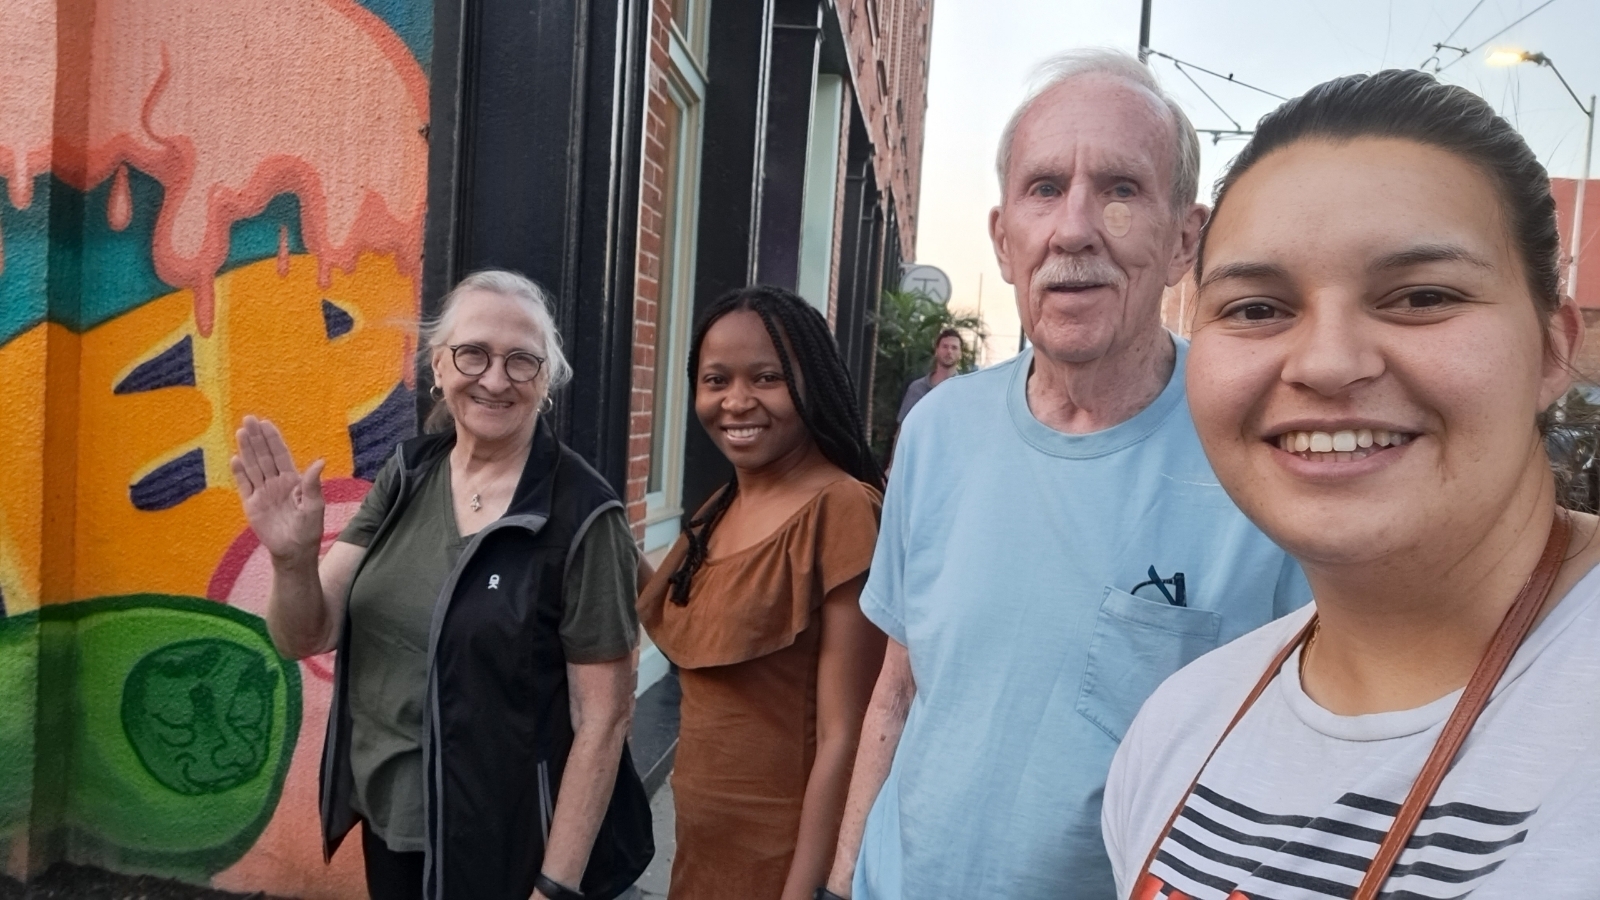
x=1513 y=629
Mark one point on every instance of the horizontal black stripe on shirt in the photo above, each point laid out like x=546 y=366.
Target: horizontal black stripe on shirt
x=1331 y=826
x=1444 y=840
x=1413 y=895
x=1245 y=812
x=1430 y=871
x=1220 y=830
x=1328 y=826
x=1193 y=874
x=1468 y=811
x=1357 y=832
x=1443 y=874
x=1307 y=882
x=1327 y=856
x=1292 y=848
x=1214 y=854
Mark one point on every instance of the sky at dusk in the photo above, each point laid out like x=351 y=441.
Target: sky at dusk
x=984 y=52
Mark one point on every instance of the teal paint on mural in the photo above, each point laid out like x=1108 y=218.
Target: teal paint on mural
x=24 y=269
x=177 y=738
x=63 y=247
x=256 y=238
x=96 y=271
x=412 y=20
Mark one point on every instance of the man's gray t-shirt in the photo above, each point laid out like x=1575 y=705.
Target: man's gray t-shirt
x=1008 y=564
x=915 y=391
x=391 y=608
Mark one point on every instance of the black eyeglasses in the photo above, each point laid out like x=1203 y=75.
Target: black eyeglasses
x=472 y=360
x=1178 y=596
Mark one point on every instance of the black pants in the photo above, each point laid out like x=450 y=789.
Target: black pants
x=390 y=875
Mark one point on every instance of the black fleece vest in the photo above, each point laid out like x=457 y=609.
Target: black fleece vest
x=497 y=721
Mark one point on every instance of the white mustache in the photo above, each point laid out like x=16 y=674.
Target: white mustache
x=1078 y=270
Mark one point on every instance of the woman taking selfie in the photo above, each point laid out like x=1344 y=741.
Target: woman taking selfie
x=757 y=605
x=1379 y=340
x=481 y=602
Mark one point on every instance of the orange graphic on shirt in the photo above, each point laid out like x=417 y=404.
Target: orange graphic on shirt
x=1151 y=889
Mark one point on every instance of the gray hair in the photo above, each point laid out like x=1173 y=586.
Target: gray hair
x=557 y=371
x=1064 y=67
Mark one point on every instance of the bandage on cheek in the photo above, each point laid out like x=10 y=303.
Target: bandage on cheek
x=1118 y=218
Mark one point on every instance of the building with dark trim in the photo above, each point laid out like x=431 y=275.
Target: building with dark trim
x=211 y=210
x=643 y=161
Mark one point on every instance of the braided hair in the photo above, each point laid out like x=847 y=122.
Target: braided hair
x=828 y=408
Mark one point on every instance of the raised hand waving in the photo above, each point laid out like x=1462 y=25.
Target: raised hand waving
x=284 y=506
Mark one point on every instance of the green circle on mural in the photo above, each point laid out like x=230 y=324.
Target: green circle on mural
x=199 y=714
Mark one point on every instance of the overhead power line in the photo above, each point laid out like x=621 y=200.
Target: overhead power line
x=1475 y=8
x=1208 y=96
x=1228 y=77
x=1217 y=134
x=1485 y=43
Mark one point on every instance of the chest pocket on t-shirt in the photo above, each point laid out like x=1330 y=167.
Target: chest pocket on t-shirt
x=1137 y=643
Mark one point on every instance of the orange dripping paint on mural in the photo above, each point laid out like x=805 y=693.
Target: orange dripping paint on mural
x=119 y=209
x=201 y=114
x=283 y=251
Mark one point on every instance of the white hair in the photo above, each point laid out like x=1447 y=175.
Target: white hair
x=1072 y=64
x=557 y=371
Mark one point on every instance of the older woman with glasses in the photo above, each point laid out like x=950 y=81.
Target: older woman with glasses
x=482 y=604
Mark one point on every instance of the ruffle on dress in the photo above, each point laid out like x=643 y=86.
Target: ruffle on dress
x=758 y=600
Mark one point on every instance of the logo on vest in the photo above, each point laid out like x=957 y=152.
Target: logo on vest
x=494 y=582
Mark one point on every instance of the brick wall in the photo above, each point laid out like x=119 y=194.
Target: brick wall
x=647 y=285
x=888 y=49
x=888 y=42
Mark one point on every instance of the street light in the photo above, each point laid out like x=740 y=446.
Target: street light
x=1513 y=57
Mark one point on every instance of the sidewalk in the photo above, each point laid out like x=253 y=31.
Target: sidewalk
x=655 y=744
x=653 y=884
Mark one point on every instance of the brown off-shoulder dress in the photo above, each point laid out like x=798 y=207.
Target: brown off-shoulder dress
x=746 y=646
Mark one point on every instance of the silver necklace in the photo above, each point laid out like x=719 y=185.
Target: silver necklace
x=476 y=502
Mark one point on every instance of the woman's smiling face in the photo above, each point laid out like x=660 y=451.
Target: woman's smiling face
x=491 y=407
x=742 y=397
x=1367 y=359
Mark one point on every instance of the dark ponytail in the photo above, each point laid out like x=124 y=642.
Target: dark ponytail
x=828 y=407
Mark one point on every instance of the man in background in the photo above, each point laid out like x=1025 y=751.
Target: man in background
x=947 y=349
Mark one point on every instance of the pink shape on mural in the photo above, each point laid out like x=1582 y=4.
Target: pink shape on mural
x=318 y=98
x=28 y=74
x=243 y=576
x=287 y=859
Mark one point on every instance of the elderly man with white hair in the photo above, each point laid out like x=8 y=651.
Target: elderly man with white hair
x=1054 y=543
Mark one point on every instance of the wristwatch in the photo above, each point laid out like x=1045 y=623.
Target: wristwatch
x=823 y=893
x=555 y=890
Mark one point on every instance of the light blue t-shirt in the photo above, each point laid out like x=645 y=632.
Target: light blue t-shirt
x=1004 y=565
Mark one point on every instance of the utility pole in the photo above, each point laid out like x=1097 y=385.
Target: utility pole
x=1511 y=58
x=1577 y=208
x=1144 y=31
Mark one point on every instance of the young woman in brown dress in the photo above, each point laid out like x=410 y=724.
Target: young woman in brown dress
x=757 y=605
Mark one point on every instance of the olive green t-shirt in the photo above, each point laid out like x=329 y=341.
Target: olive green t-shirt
x=391 y=612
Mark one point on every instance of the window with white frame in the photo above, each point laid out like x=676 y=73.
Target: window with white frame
x=685 y=88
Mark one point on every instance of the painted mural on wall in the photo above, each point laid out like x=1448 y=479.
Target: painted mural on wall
x=209 y=209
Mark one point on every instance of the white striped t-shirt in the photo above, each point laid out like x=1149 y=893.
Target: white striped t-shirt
x=1294 y=804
